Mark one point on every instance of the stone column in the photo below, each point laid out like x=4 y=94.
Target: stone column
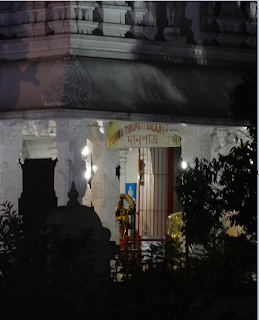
x=123 y=162
x=10 y=169
x=70 y=142
x=105 y=190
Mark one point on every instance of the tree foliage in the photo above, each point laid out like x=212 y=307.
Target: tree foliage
x=228 y=184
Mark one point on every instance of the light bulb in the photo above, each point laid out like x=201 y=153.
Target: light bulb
x=184 y=165
x=94 y=168
x=85 y=151
x=87 y=174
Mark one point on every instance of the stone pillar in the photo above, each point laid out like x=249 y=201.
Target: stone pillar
x=70 y=142
x=105 y=190
x=10 y=169
x=123 y=162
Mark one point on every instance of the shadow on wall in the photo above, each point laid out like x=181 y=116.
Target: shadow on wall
x=12 y=74
x=21 y=26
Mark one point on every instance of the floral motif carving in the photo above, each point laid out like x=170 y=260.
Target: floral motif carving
x=67 y=83
x=13 y=137
x=79 y=133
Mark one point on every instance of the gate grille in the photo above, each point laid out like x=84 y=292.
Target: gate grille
x=154 y=190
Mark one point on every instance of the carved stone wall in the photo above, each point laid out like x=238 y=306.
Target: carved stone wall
x=67 y=83
x=224 y=23
x=10 y=169
x=229 y=23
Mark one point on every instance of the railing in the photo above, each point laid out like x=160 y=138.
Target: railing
x=126 y=241
x=130 y=257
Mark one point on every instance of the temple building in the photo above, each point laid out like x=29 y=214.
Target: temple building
x=114 y=95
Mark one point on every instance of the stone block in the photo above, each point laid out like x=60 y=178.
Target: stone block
x=86 y=27
x=137 y=15
x=39 y=29
x=113 y=13
x=64 y=26
x=114 y=30
x=25 y=30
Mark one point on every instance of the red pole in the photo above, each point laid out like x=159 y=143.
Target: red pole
x=138 y=189
x=169 y=200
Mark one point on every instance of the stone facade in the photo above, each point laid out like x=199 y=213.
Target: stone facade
x=68 y=68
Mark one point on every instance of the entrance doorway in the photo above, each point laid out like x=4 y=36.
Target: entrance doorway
x=38 y=196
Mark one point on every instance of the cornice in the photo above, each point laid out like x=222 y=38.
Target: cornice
x=110 y=115
x=125 y=49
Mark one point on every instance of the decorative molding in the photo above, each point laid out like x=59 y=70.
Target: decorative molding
x=79 y=133
x=38 y=127
x=67 y=83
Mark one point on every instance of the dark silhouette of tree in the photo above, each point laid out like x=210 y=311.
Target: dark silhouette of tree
x=228 y=184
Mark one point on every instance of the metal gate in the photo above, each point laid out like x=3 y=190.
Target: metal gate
x=154 y=191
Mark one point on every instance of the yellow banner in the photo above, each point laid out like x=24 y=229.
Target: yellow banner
x=122 y=134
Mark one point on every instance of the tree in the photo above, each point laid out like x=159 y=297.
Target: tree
x=228 y=184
